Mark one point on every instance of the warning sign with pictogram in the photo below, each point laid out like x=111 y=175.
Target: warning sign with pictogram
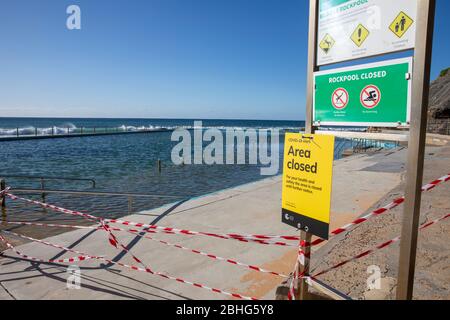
x=353 y=29
x=401 y=24
x=360 y=35
x=370 y=96
x=327 y=43
x=340 y=98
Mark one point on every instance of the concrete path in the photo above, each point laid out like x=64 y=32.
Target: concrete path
x=359 y=182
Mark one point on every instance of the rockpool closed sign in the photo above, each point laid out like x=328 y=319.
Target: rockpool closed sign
x=377 y=95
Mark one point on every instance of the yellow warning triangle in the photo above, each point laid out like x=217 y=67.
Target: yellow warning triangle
x=327 y=43
x=401 y=24
x=360 y=35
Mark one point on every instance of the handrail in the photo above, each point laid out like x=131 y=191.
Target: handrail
x=78 y=131
x=47 y=178
x=340 y=147
x=388 y=137
x=98 y=193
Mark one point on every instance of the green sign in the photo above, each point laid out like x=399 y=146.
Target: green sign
x=376 y=95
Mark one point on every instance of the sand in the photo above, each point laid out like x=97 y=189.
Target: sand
x=433 y=256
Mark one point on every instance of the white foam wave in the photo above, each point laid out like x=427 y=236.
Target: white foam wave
x=70 y=128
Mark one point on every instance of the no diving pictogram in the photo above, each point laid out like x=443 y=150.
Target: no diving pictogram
x=370 y=97
x=340 y=98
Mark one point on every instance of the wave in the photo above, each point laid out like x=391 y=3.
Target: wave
x=70 y=128
x=32 y=131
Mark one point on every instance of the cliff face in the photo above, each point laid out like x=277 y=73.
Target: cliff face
x=439 y=106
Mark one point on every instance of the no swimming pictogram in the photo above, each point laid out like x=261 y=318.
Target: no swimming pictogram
x=370 y=97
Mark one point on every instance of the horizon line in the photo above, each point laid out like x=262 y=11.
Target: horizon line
x=141 y=118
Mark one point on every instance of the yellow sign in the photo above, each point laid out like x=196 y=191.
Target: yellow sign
x=327 y=43
x=307 y=177
x=360 y=35
x=401 y=24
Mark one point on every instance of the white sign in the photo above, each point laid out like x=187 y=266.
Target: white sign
x=353 y=29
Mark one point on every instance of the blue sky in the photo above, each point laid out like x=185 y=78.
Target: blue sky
x=234 y=59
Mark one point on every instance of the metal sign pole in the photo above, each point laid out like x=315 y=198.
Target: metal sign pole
x=312 y=67
x=416 y=148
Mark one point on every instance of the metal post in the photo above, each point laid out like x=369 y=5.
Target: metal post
x=53 y=131
x=130 y=205
x=35 y=132
x=3 y=187
x=416 y=147
x=303 y=293
x=159 y=165
x=312 y=67
x=43 y=188
x=3 y=200
x=312 y=64
x=17 y=132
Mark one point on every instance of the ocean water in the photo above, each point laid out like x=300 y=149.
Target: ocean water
x=45 y=126
x=118 y=163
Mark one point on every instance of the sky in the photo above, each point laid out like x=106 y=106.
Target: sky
x=196 y=59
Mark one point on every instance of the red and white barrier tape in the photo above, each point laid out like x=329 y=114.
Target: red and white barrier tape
x=378 y=247
x=112 y=238
x=153 y=228
x=262 y=239
x=54 y=208
x=148 y=226
x=137 y=233
x=50 y=244
x=114 y=241
x=2 y=192
x=212 y=256
x=382 y=210
x=246 y=238
x=301 y=254
x=294 y=281
x=65 y=260
x=229 y=236
x=239 y=237
x=147 y=270
x=302 y=259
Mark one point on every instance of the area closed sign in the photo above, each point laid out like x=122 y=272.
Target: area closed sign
x=307 y=177
x=376 y=95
